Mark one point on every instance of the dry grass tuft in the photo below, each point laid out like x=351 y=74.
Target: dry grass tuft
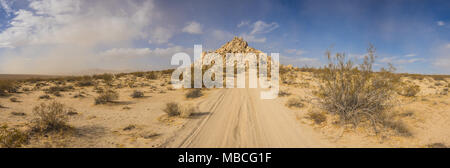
x=317 y=117
x=294 y=102
x=12 y=138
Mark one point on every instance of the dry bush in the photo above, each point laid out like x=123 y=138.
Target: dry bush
x=409 y=90
x=44 y=97
x=437 y=145
x=194 y=93
x=106 y=97
x=51 y=117
x=12 y=138
x=283 y=93
x=13 y=99
x=85 y=83
x=294 y=102
x=56 y=89
x=186 y=110
x=137 y=94
x=152 y=75
x=398 y=127
x=172 y=109
x=356 y=93
x=7 y=86
x=317 y=117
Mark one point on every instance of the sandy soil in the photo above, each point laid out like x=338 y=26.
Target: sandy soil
x=239 y=118
x=225 y=118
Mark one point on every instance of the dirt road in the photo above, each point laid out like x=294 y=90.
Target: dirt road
x=239 y=118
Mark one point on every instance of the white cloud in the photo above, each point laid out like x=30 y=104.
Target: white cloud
x=300 y=61
x=161 y=35
x=193 y=28
x=243 y=23
x=396 y=60
x=410 y=55
x=257 y=29
x=442 y=60
x=6 y=6
x=50 y=36
x=295 y=51
x=440 y=23
x=253 y=38
x=261 y=27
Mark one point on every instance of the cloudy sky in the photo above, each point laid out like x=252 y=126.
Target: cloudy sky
x=65 y=36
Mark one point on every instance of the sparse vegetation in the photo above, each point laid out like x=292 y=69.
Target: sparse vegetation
x=172 y=109
x=7 y=86
x=409 y=90
x=356 y=93
x=317 y=117
x=399 y=127
x=186 y=110
x=13 y=99
x=137 y=94
x=44 y=97
x=51 y=117
x=107 y=97
x=283 y=93
x=194 y=93
x=152 y=75
x=12 y=138
x=294 y=102
x=437 y=145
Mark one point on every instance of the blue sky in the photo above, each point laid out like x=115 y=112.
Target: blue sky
x=37 y=36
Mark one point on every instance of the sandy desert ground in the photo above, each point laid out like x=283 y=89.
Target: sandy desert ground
x=222 y=117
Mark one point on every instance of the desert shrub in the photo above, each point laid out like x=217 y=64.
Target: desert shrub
x=56 y=89
x=7 y=86
x=437 y=145
x=194 y=93
x=85 y=83
x=137 y=94
x=51 y=117
x=138 y=74
x=172 y=109
x=186 y=110
x=13 y=99
x=152 y=75
x=106 y=97
x=409 y=90
x=356 y=93
x=398 y=127
x=12 y=138
x=317 y=117
x=283 y=93
x=294 y=102
x=46 y=96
